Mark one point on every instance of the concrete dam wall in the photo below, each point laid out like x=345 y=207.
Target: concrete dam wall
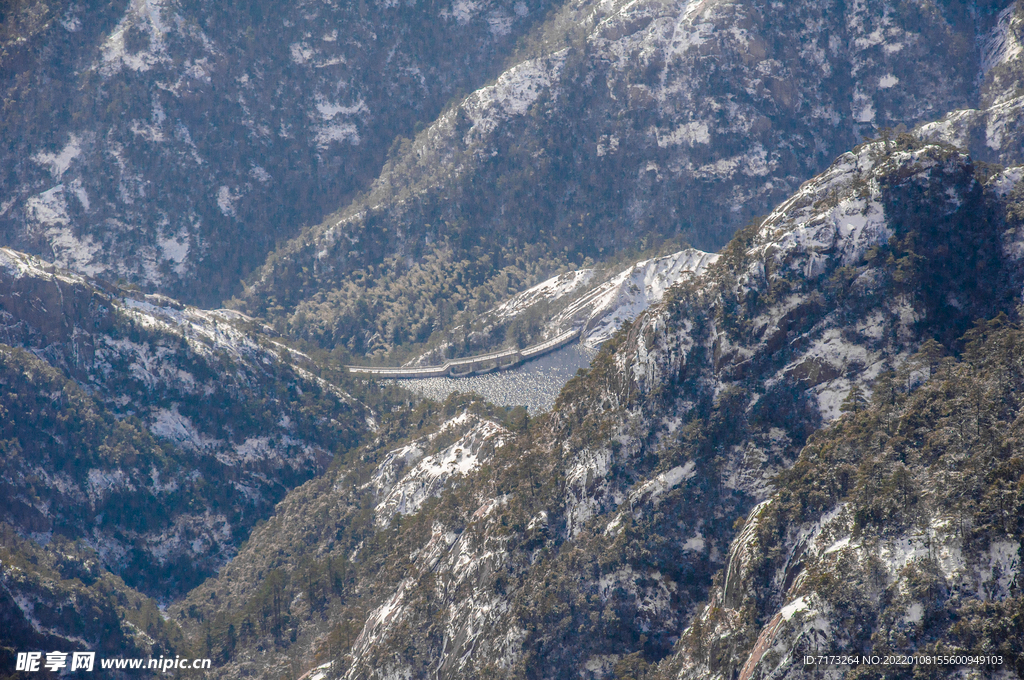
x=467 y=366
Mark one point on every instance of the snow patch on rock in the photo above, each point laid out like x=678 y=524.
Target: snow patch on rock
x=148 y=17
x=1002 y=44
x=59 y=162
x=605 y=309
x=513 y=94
x=408 y=477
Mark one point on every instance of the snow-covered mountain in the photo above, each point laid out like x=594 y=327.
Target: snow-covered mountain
x=409 y=476
x=156 y=433
x=625 y=123
x=588 y=540
x=173 y=143
x=594 y=303
x=880 y=543
x=805 y=439
x=621 y=299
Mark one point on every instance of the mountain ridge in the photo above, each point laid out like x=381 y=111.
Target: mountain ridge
x=325 y=285
x=680 y=416
x=182 y=390
x=182 y=141
x=808 y=438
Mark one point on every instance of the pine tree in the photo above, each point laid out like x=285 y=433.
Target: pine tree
x=855 y=400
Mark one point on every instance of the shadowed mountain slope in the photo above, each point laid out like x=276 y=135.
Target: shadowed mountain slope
x=156 y=433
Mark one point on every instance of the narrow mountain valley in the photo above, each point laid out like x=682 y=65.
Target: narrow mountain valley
x=639 y=121
x=792 y=235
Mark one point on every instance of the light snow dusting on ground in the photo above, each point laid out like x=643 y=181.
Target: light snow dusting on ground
x=59 y=162
x=553 y=289
x=605 y=309
x=513 y=94
x=408 y=477
x=1003 y=44
x=147 y=17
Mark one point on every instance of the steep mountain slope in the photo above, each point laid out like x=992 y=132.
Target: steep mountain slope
x=663 y=119
x=58 y=597
x=993 y=132
x=173 y=143
x=586 y=542
x=156 y=433
x=897 y=532
x=575 y=300
x=143 y=440
x=605 y=309
x=302 y=597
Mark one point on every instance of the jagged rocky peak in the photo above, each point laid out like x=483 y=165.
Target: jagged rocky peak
x=805 y=284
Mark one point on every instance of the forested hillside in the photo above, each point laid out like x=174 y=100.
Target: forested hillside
x=626 y=123
x=796 y=231
x=896 y=532
x=586 y=540
x=158 y=434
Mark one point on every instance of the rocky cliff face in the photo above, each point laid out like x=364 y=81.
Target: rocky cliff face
x=173 y=143
x=897 y=532
x=992 y=131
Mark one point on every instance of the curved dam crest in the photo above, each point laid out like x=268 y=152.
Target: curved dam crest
x=475 y=365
